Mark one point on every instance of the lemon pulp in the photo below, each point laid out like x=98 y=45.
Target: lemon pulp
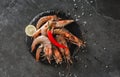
x=30 y=30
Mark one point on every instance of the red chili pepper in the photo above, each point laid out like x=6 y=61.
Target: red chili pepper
x=53 y=41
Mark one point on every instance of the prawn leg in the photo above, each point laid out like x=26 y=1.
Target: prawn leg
x=38 y=51
x=48 y=53
x=67 y=54
x=66 y=51
x=57 y=55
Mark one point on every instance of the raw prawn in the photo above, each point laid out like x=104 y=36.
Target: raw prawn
x=65 y=52
x=51 y=38
x=44 y=19
x=53 y=24
x=69 y=36
x=46 y=44
x=57 y=55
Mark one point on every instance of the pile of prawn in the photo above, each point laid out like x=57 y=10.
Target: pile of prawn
x=42 y=43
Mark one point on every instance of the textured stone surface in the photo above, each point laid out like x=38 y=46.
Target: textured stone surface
x=100 y=59
x=109 y=8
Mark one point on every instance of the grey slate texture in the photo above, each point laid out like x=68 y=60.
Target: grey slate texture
x=102 y=34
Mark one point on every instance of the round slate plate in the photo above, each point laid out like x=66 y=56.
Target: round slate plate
x=73 y=28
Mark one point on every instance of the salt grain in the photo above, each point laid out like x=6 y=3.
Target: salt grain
x=106 y=66
x=78 y=16
x=85 y=22
x=85 y=66
x=76 y=19
x=104 y=48
x=73 y=0
x=75 y=4
x=91 y=1
x=83 y=13
x=81 y=7
x=75 y=75
x=75 y=15
x=90 y=14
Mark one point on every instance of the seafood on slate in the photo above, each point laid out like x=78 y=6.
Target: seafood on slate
x=51 y=38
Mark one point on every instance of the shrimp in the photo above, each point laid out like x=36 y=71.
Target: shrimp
x=42 y=30
x=65 y=51
x=61 y=42
x=69 y=36
x=40 y=40
x=62 y=23
x=43 y=40
x=44 y=19
x=67 y=55
x=37 y=33
x=53 y=24
x=50 y=26
x=57 y=55
x=48 y=52
x=38 y=51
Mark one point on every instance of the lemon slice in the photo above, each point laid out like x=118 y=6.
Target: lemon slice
x=30 y=29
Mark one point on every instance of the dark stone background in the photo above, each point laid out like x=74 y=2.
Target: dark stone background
x=99 y=23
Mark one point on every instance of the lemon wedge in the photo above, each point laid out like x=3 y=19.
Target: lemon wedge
x=30 y=30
